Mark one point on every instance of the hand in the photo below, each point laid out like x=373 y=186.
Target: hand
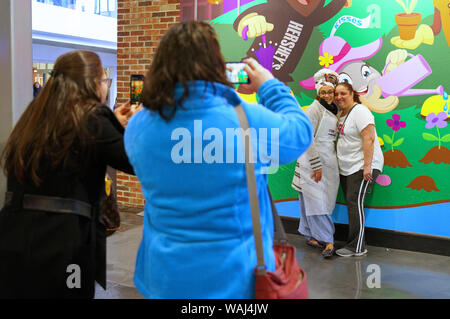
x=257 y=74
x=367 y=174
x=317 y=175
x=123 y=113
x=395 y=58
x=136 y=108
x=257 y=25
x=377 y=103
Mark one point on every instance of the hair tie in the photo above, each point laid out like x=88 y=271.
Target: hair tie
x=53 y=73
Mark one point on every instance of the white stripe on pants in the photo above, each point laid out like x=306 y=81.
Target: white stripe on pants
x=361 y=197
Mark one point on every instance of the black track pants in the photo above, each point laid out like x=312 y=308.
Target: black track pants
x=355 y=189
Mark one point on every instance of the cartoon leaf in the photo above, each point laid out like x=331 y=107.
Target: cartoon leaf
x=412 y=6
x=400 y=2
x=446 y=138
x=429 y=137
x=399 y=141
x=387 y=139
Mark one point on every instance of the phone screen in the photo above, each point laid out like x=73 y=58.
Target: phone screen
x=235 y=73
x=136 y=87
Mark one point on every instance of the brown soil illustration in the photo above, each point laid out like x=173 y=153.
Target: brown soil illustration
x=437 y=155
x=423 y=182
x=395 y=158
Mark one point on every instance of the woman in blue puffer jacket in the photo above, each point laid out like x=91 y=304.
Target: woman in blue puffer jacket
x=197 y=239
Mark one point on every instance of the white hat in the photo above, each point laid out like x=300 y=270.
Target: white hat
x=321 y=84
x=325 y=77
x=322 y=73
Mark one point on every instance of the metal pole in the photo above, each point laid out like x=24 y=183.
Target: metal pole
x=238 y=7
x=195 y=9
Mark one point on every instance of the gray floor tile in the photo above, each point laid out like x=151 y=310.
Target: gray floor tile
x=403 y=274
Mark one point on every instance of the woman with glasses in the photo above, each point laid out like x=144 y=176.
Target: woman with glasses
x=316 y=176
x=52 y=244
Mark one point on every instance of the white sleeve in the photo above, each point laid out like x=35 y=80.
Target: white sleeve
x=363 y=117
x=315 y=115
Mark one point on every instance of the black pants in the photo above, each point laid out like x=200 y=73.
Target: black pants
x=355 y=189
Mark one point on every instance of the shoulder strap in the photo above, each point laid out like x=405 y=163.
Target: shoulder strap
x=280 y=233
x=339 y=118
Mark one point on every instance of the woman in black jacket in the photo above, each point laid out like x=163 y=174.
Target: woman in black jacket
x=52 y=244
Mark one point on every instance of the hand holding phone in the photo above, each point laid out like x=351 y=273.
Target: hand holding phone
x=136 y=87
x=258 y=75
x=123 y=113
x=235 y=73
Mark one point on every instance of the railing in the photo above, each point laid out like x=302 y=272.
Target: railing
x=101 y=7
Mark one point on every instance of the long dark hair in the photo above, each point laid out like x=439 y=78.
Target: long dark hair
x=56 y=120
x=350 y=88
x=189 y=51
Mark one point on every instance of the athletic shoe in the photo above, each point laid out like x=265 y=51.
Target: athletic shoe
x=361 y=253
x=345 y=252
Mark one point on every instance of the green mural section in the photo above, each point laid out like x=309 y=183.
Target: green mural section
x=413 y=181
x=407 y=83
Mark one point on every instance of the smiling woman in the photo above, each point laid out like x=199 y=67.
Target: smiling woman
x=316 y=176
x=360 y=162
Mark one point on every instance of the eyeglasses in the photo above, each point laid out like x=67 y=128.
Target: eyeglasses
x=108 y=81
x=326 y=93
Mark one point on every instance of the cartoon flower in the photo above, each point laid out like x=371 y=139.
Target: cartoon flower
x=436 y=120
x=395 y=122
x=326 y=59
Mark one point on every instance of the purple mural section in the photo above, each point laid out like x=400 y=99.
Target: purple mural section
x=229 y=5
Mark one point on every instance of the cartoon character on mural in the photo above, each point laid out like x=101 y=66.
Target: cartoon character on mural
x=397 y=78
x=287 y=24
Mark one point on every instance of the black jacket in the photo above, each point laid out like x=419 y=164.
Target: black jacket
x=38 y=247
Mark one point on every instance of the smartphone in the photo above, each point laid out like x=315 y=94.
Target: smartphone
x=136 y=87
x=235 y=73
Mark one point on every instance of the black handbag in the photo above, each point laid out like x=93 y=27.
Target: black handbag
x=108 y=211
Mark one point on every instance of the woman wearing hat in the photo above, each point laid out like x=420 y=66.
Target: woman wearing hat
x=316 y=176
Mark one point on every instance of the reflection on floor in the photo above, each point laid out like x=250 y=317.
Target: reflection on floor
x=402 y=274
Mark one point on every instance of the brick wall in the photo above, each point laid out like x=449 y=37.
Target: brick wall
x=140 y=25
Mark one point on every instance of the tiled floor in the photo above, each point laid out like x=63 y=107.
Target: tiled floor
x=402 y=274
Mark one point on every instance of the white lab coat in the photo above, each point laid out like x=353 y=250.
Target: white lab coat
x=319 y=198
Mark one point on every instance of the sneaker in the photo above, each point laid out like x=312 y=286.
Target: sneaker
x=345 y=252
x=362 y=253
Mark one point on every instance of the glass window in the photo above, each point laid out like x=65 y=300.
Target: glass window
x=101 y=7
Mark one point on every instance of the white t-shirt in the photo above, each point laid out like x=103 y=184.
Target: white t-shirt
x=350 y=143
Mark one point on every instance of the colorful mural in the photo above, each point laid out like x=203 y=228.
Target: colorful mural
x=396 y=56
